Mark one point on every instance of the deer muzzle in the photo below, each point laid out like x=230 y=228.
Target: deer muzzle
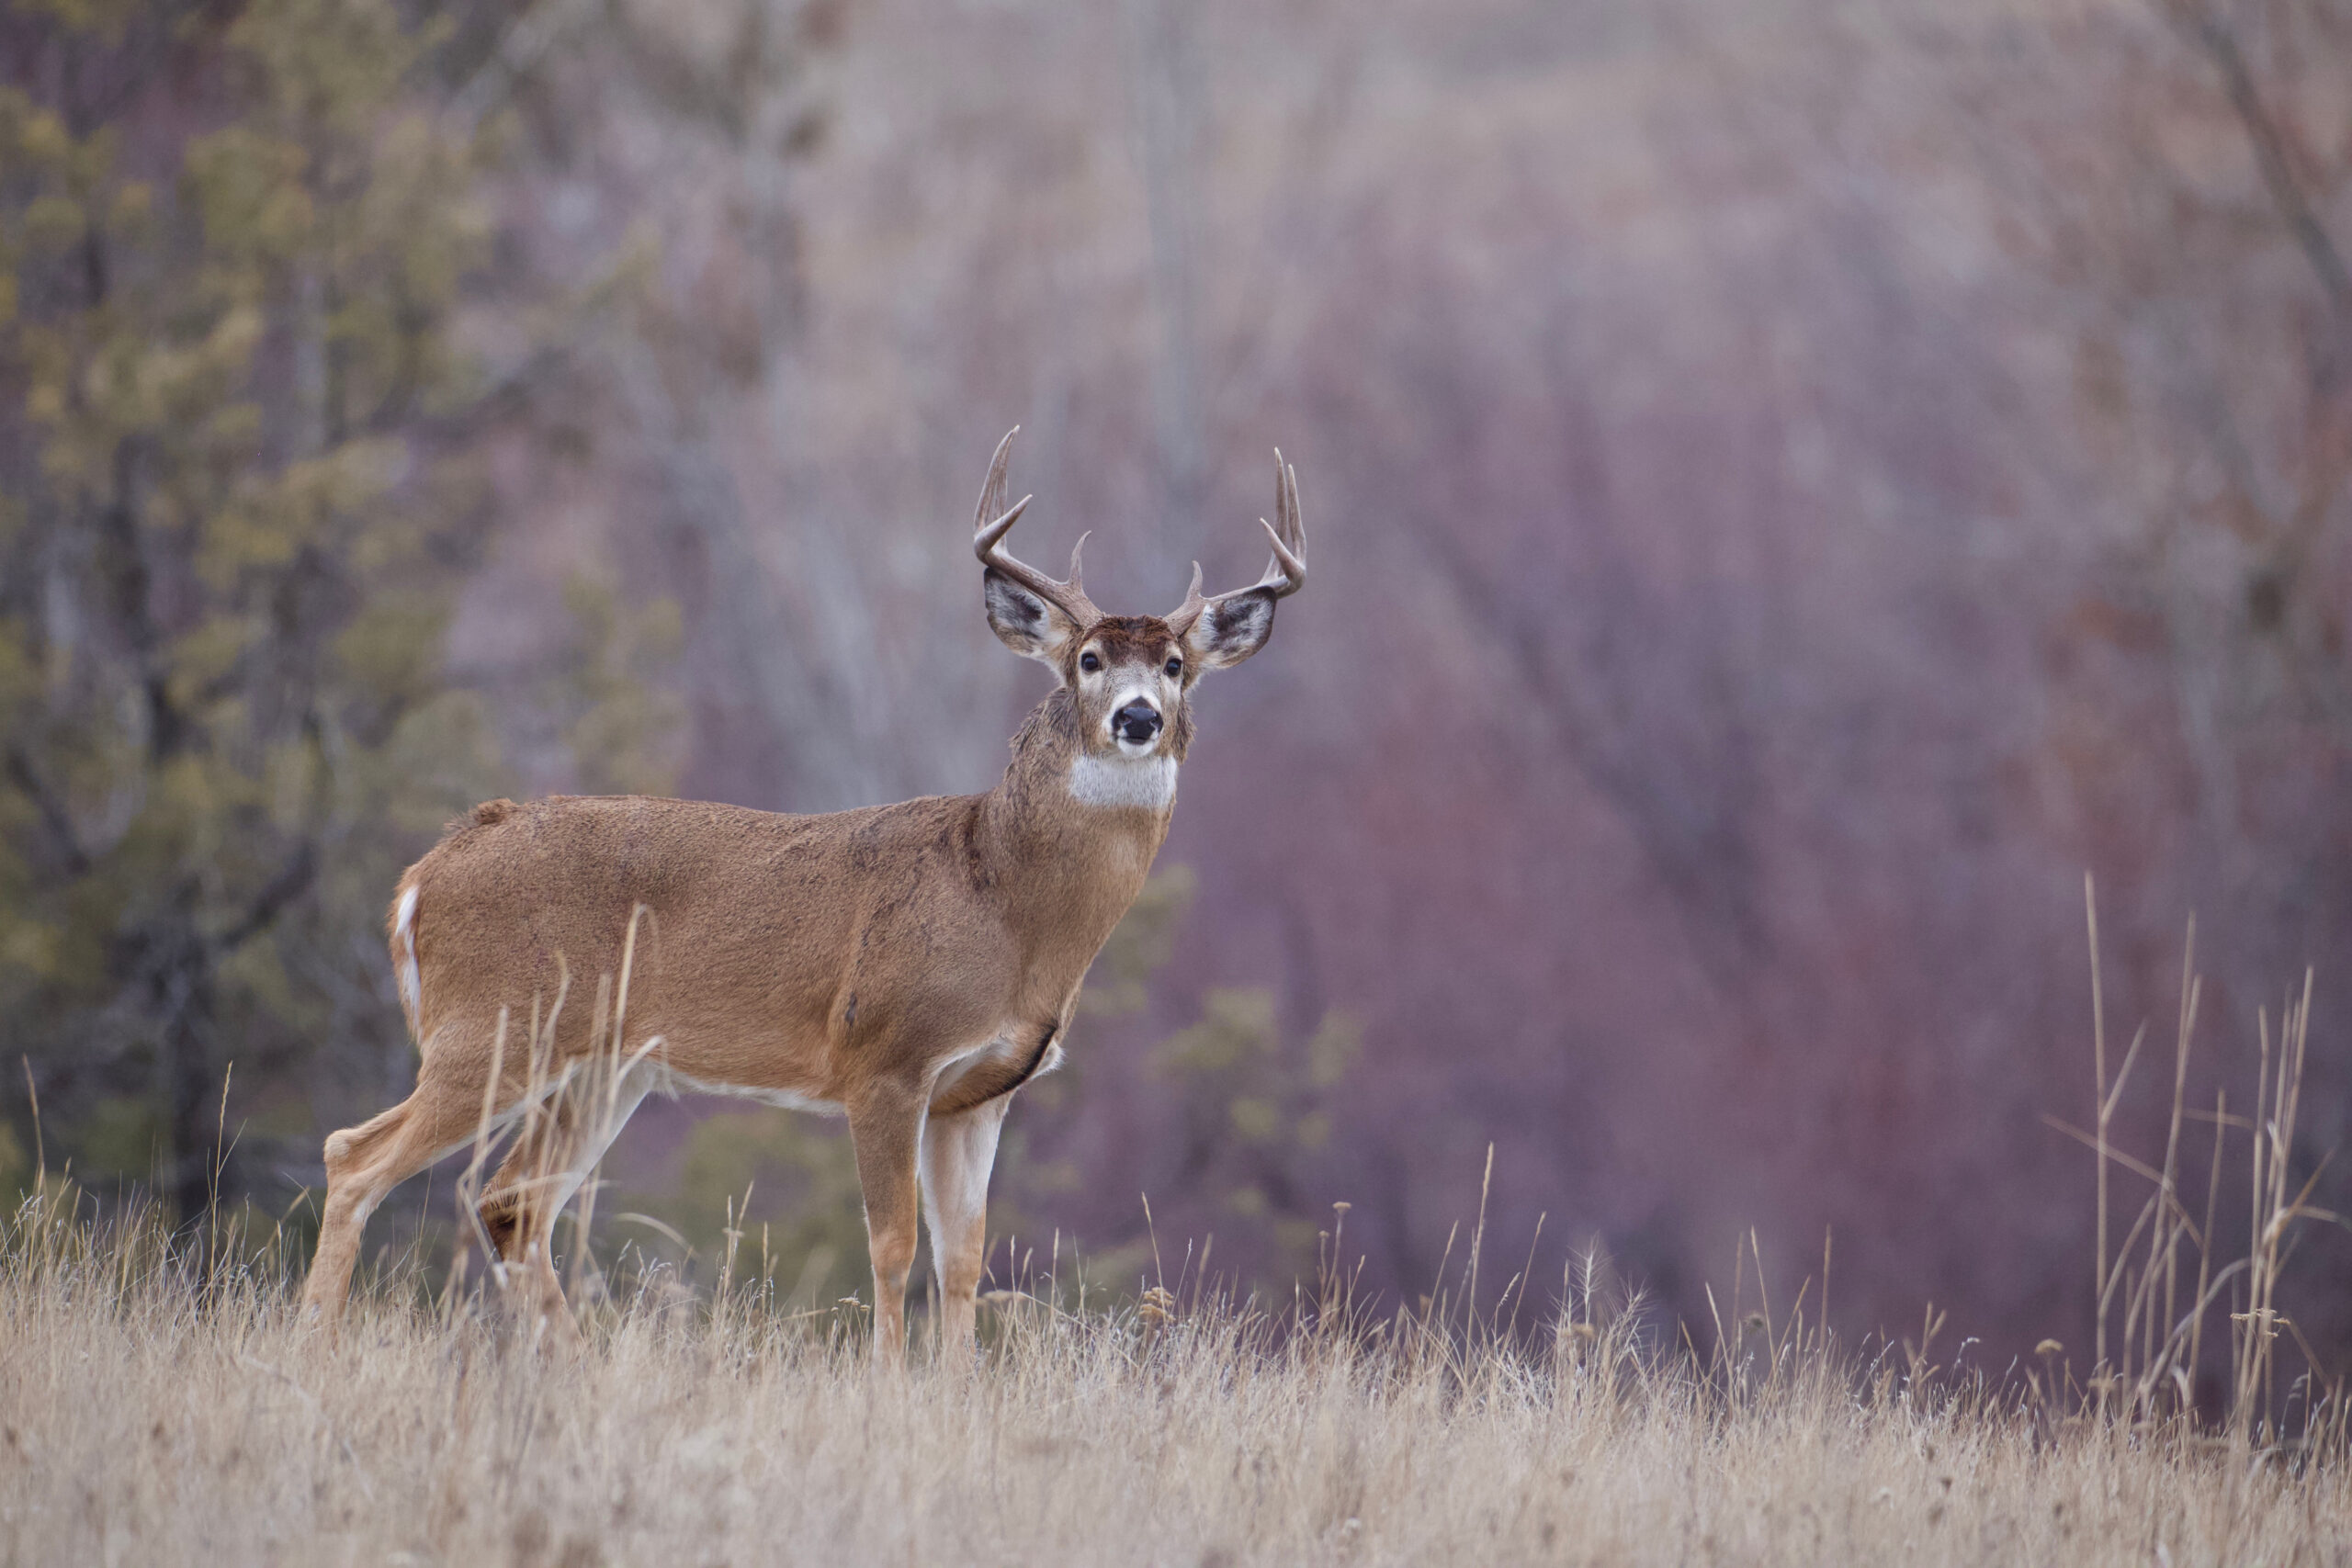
x=1136 y=724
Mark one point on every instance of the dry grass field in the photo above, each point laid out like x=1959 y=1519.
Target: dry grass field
x=152 y=1415
x=160 y=1403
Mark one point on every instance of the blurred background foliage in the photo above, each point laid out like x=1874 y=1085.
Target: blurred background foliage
x=1793 y=485
x=231 y=551
x=245 y=471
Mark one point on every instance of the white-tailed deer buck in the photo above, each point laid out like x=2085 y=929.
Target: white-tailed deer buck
x=909 y=966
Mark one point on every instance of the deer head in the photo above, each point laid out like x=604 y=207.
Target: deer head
x=1130 y=676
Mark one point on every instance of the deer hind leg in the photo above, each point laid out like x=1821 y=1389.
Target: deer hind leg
x=366 y=1162
x=958 y=1152
x=544 y=1172
x=886 y=1129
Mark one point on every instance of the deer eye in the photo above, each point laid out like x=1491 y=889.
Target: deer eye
x=1175 y=667
x=1088 y=662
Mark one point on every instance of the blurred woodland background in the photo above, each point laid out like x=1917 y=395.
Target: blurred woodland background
x=1792 y=486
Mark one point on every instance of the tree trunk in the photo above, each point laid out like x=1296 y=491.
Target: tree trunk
x=195 y=1170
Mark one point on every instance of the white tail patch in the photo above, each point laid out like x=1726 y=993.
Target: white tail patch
x=1146 y=781
x=404 y=938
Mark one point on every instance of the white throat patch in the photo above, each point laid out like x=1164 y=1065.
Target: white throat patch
x=1146 y=781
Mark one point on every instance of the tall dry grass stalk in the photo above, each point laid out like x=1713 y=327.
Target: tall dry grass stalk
x=2149 y=1349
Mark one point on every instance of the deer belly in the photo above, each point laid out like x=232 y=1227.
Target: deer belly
x=675 y=1083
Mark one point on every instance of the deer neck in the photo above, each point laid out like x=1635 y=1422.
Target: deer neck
x=1074 y=833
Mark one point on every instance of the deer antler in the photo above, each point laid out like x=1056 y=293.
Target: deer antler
x=987 y=543
x=1285 y=573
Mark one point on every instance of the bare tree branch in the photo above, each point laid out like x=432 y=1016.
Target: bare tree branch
x=54 y=817
x=292 y=880
x=2221 y=46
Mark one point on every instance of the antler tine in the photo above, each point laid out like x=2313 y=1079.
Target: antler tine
x=992 y=492
x=1181 y=619
x=988 y=544
x=1286 y=573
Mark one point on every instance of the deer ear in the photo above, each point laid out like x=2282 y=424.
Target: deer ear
x=1231 y=630
x=1024 y=621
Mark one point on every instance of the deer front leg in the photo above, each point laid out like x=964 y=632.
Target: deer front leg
x=958 y=1152
x=886 y=1129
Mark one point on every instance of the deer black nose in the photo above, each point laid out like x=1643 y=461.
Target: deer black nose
x=1137 y=722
